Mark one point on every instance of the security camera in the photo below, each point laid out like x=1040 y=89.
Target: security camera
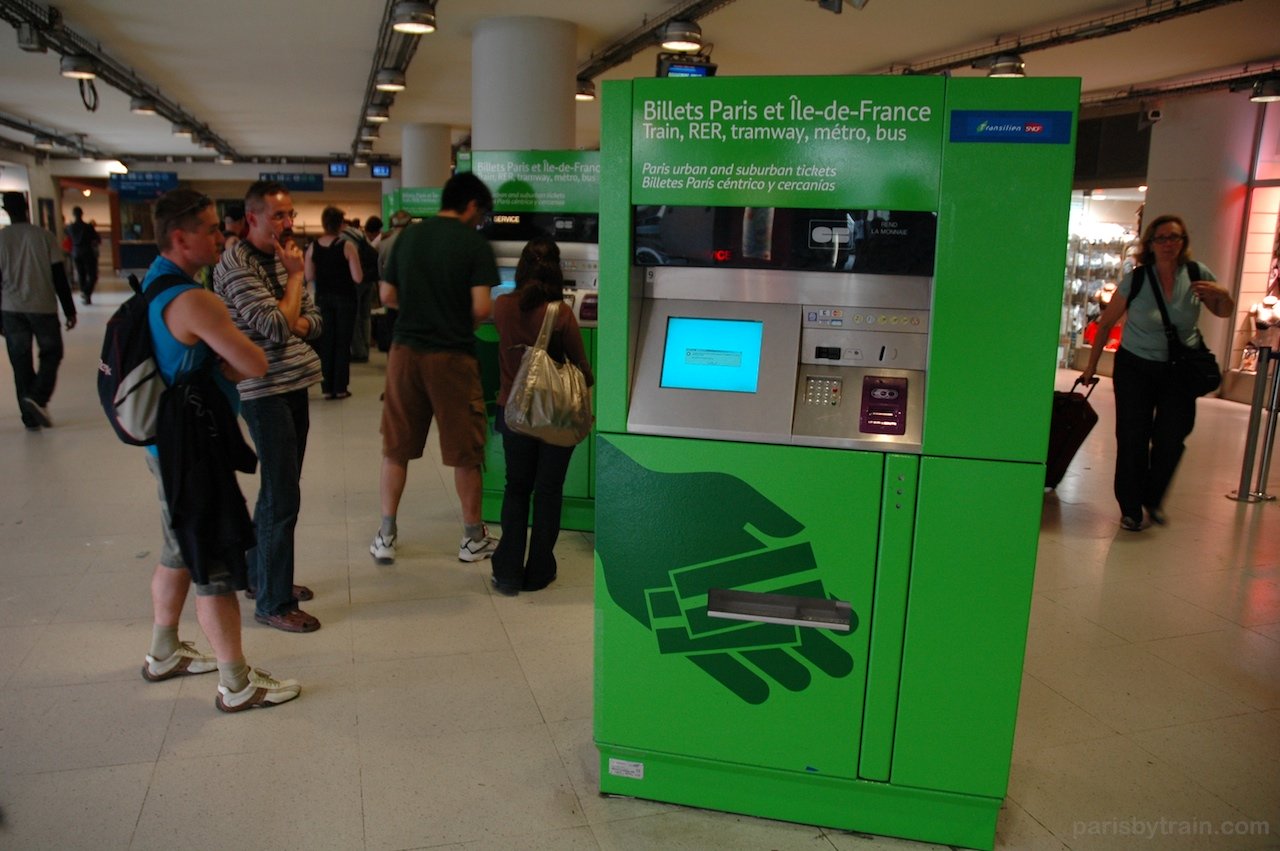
x=1154 y=115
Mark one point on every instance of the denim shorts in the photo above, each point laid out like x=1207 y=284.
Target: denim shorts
x=170 y=554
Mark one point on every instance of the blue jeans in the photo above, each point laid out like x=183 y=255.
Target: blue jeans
x=20 y=329
x=534 y=470
x=278 y=425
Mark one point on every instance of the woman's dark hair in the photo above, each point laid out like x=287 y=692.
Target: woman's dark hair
x=538 y=276
x=332 y=219
x=1149 y=253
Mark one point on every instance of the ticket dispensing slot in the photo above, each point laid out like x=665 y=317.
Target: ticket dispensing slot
x=815 y=612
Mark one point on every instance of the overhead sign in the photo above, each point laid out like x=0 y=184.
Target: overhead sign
x=540 y=181
x=295 y=181
x=143 y=185
x=420 y=200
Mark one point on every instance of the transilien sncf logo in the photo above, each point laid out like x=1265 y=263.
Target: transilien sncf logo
x=712 y=530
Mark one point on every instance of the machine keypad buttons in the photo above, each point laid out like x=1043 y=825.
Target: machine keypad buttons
x=822 y=391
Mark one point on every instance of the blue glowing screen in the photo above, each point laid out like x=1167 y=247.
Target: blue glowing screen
x=712 y=354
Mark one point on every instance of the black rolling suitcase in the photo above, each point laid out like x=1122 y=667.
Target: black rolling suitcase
x=1072 y=420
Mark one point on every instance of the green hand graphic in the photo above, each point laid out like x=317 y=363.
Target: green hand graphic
x=700 y=531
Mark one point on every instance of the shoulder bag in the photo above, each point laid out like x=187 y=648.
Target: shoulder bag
x=1195 y=369
x=549 y=401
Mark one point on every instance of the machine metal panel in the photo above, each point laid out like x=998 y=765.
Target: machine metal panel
x=762 y=416
x=775 y=286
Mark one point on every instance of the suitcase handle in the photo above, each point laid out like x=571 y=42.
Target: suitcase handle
x=1080 y=381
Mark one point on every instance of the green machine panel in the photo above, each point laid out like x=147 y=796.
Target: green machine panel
x=690 y=516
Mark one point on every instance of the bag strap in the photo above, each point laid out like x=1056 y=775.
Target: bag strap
x=1170 y=332
x=158 y=286
x=548 y=324
x=1139 y=278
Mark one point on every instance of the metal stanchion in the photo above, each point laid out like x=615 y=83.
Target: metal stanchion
x=1243 y=493
x=1268 y=442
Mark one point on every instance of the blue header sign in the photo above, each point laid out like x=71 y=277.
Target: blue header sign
x=143 y=185
x=299 y=181
x=1011 y=126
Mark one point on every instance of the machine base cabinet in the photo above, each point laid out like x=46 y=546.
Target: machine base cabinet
x=968 y=821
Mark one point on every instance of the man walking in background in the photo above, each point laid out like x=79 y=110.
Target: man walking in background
x=34 y=280
x=84 y=253
x=261 y=280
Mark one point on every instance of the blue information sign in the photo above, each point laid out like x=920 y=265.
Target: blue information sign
x=143 y=185
x=299 y=181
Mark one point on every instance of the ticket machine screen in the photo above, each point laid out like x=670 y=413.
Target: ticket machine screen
x=712 y=354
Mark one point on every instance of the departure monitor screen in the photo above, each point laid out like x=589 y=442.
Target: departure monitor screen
x=712 y=354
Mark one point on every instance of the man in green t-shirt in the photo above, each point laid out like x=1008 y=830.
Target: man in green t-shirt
x=439 y=277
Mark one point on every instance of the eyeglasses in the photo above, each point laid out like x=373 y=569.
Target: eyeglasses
x=281 y=215
x=1164 y=240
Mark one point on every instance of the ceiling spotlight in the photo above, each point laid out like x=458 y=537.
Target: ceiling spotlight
x=86 y=157
x=684 y=36
x=142 y=106
x=389 y=80
x=1007 y=65
x=116 y=167
x=369 y=132
x=586 y=90
x=43 y=142
x=78 y=67
x=223 y=159
x=364 y=149
x=1266 y=90
x=360 y=162
x=180 y=129
x=377 y=113
x=413 y=18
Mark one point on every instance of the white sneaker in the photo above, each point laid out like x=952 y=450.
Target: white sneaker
x=181 y=662
x=383 y=549
x=263 y=691
x=471 y=550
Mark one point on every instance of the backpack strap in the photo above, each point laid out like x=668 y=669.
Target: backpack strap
x=160 y=284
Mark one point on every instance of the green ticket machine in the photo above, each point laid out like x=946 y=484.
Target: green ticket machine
x=827 y=352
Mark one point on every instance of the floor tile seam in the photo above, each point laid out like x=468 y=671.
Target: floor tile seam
x=1188 y=777
x=1215 y=717
x=1009 y=796
x=1137 y=641
x=1216 y=614
x=142 y=807
x=18 y=772
x=524 y=674
x=1255 y=630
x=1099 y=722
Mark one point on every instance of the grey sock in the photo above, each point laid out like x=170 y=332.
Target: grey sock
x=234 y=675
x=388 y=530
x=474 y=531
x=164 y=641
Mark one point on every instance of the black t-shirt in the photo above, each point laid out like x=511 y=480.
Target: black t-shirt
x=333 y=273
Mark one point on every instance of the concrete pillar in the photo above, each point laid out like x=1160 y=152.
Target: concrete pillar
x=425 y=155
x=523 y=78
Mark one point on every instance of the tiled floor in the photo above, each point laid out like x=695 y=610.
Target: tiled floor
x=435 y=714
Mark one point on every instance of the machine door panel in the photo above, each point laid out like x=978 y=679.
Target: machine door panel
x=740 y=526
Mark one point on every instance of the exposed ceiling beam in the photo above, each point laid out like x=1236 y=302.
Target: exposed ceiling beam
x=644 y=37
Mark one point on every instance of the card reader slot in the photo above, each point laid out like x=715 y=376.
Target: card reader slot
x=816 y=612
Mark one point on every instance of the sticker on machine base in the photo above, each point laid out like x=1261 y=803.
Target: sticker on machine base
x=1011 y=126
x=626 y=768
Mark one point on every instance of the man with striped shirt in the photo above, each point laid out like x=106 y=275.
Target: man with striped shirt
x=261 y=280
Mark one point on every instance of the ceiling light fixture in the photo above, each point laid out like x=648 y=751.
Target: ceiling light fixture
x=370 y=132
x=1007 y=65
x=142 y=106
x=180 y=129
x=1266 y=90
x=586 y=91
x=413 y=17
x=684 y=36
x=377 y=113
x=78 y=67
x=43 y=142
x=360 y=162
x=223 y=159
x=389 y=80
